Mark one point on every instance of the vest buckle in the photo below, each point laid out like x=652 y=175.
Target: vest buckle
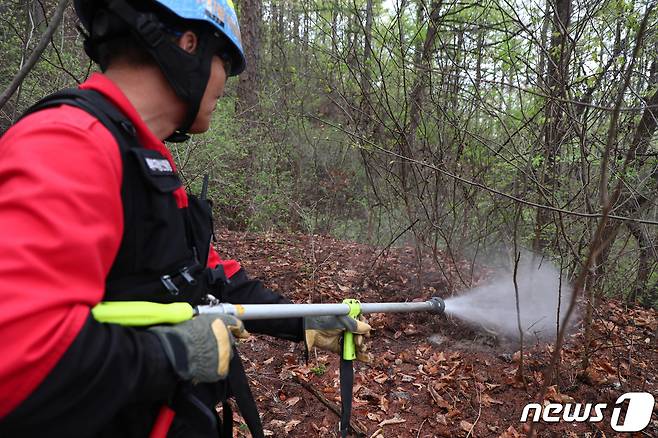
x=185 y=273
x=169 y=284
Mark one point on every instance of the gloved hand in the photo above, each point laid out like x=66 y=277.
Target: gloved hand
x=201 y=349
x=326 y=332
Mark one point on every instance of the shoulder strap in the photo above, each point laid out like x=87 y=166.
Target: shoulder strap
x=239 y=388
x=95 y=104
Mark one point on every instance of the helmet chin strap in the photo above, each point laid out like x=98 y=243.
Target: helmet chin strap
x=206 y=48
x=187 y=73
x=177 y=137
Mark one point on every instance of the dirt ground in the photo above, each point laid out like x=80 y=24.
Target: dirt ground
x=431 y=376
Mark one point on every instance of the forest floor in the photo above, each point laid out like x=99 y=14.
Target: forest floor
x=431 y=376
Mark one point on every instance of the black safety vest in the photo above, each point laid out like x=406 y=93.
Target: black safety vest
x=164 y=248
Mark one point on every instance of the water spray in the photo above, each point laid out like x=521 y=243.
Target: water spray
x=543 y=297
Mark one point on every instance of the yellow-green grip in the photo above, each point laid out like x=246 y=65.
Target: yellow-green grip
x=141 y=313
x=349 y=349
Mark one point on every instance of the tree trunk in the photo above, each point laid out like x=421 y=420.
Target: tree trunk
x=555 y=125
x=408 y=145
x=639 y=146
x=248 y=85
x=543 y=50
x=646 y=250
x=364 y=114
x=294 y=12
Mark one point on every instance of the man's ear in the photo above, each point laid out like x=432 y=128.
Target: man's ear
x=188 y=41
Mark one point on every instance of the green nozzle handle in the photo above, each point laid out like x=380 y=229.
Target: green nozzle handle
x=349 y=349
x=141 y=313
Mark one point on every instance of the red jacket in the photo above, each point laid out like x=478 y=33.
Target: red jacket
x=61 y=223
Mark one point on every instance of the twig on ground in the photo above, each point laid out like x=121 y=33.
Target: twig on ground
x=421 y=427
x=479 y=412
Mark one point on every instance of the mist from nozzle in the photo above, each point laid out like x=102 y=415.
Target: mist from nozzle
x=493 y=306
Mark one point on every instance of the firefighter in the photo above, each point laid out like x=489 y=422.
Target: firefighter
x=92 y=209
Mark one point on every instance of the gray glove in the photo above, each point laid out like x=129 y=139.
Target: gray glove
x=201 y=349
x=325 y=332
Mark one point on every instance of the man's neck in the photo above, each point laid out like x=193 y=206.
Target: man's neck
x=151 y=95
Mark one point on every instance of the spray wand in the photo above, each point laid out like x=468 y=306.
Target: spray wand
x=144 y=313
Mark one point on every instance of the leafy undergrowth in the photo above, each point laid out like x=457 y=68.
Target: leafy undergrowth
x=431 y=376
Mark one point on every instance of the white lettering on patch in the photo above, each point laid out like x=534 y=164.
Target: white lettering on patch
x=159 y=164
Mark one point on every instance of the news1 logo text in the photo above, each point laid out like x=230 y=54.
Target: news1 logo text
x=637 y=415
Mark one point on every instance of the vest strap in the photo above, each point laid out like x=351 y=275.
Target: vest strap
x=239 y=388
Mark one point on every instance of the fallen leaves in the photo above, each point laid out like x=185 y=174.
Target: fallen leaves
x=291 y=425
x=374 y=417
x=438 y=400
x=552 y=395
x=383 y=404
x=510 y=433
x=287 y=426
x=292 y=401
x=413 y=380
x=380 y=378
x=488 y=401
x=394 y=420
x=465 y=426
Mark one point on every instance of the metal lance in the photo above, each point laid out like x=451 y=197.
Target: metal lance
x=275 y=311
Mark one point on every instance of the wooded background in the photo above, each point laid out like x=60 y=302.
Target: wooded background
x=466 y=128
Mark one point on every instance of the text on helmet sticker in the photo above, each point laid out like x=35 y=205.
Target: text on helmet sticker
x=224 y=15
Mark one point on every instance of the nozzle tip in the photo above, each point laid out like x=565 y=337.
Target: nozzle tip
x=438 y=305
